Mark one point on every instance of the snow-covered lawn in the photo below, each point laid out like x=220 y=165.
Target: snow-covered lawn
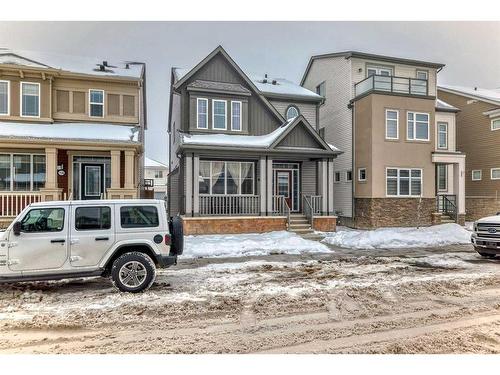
x=392 y=238
x=234 y=245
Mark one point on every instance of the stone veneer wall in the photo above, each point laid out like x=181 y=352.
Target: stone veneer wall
x=393 y=212
x=325 y=223
x=232 y=225
x=478 y=207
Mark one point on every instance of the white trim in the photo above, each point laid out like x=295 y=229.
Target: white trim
x=91 y=102
x=480 y=175
x=494 y=120
x=409 y=187
x=397 y=123
x=445 y=147
x=197 y=113
x=422 y=71
x=491 y=173
x=335 y=181
x=359 y=174
x=379 y=69
x=213 y=114
x=445 y=177
x=289 y=108
x=241 y=114
x=415 y=126
x=12 y=169
x=21 y=98
x=85 y=181
x=8 y=98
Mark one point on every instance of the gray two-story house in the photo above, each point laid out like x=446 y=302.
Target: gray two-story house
x=245 y=151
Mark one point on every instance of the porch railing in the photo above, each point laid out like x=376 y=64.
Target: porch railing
x=308 y=209
x=281 y=208
x=229 y=205
x=447 y=205
x=316 y=203
x=12 y=203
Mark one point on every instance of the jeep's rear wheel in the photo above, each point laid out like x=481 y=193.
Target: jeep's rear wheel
x=133 y=272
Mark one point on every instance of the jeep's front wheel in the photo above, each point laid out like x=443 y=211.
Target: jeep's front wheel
x=133 y=272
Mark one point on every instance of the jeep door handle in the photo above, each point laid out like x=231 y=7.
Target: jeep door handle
x=61 y=240
x=102 y=238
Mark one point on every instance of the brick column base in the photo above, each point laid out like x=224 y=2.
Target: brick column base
x=461 y=219
x=436 y=218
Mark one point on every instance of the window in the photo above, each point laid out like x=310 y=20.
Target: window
x=96 y=103
x=30 y=99
x=43 y=220
x=4 y=98
x=378 y=70
x=442 y=177
x=477 y=175
x=226 y=177
x=236 y=116
x=202 y=113
x=336 y=177
x=422 y=74
x=418 y=126
x=219 y=114
x=403 y=182
x=495 y=124
x=22 y=172
x=391 y=124
x=158 y=173
x=139 y=217
x=320 y=89
x=292 y=112
x=495 y=173
x=442 y=135
x=362 y=174
x=92 y=218
x=348 y=176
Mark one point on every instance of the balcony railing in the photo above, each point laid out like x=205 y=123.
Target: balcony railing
x=229 y=205
x=397 y=85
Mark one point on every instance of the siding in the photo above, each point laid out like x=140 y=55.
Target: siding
x=309 y=178
x=308 y=110
x=173 y=193
x=300 y=137
x=174 y=136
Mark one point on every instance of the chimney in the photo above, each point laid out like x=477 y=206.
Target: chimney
x=102 y=68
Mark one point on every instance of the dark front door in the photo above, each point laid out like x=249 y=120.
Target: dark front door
x=283 y=185
x=92 y=181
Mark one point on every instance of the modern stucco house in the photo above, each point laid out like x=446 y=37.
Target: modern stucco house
x=478 y=135
x=70 y=128
x=245 y=151
x=400 y=165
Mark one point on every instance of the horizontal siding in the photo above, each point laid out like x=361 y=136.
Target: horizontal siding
x=173 y=193
x=309 y=178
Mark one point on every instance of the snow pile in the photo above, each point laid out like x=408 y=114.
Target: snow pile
x=234 y=245
x=392 y=238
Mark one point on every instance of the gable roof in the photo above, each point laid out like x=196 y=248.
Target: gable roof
x=370 y=56
x=488 y=95
x=151 y=163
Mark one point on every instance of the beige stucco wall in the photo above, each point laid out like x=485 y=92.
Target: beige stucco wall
x=402 y=153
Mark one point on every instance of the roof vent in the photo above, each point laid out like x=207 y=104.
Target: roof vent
x=264 y=80
x=105 y=63
x=274 y=82
x=127 y=66
x=265 y=75
x=475 y=88
x=102 y=67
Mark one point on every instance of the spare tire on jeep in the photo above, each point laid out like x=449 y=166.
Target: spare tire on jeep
x=177 y=235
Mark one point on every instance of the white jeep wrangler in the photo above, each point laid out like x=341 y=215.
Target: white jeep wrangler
x=486 y=236
x=124 y=239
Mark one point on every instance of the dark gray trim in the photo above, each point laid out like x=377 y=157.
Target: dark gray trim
x=306 y=99
x=451 y=110
x=392 y=94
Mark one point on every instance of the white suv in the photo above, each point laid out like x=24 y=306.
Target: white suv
x=124 y=239
x=486 y=236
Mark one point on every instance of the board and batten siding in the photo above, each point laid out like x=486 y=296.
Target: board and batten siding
x=309 y=178
x=336 y=118
x=308 y=110
x=173 y=193
x=299 y=137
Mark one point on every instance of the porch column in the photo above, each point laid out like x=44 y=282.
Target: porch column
x=196 y=186
x=115 y=169
x=269 y=183
x=189 y=184
x=330 y=187
x=262 y=185
x=51 y=168
x=129 y=170
x=323 y=185
x=459 y=185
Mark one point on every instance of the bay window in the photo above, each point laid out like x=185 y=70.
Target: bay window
x=4 y=98
x=418 y=126
x=22 y=172
x=403 y=182
x=30 y=99
x=226 y=178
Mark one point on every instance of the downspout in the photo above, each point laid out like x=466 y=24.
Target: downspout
x=353 y=173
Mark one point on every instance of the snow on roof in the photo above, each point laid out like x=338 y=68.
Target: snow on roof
x=153 y=163
x=70 y=131
x=441 y=104
x=488 y=94
x=74 y=64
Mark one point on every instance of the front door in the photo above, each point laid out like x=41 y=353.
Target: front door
x=92 y=181
x=283 y=185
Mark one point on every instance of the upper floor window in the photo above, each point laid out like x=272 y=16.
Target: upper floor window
x=4 y=97
x=361 y=174
x=219 y=114
x=495 y=173
x=418 y=126
x=348 y=176
x=236 y=116
x=391 y=124
x=202 y=113
x=320 y=89
x=422 y=74
x=336 y=177
x=292 y=112
x=158 y=173
x=442 y=135
x=96 y=103
x=30 y=99
x=378 y=70
x=495 y=124
x=477 y=174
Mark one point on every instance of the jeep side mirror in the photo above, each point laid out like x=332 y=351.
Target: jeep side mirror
x=498 y=213
x=16 y=229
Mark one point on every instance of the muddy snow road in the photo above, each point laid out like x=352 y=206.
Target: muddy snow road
x=399 y=301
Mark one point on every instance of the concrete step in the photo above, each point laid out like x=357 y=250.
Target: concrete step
x=301 y=230
x=299 y=221
x=312 y=236
x=299 y=225
x=447 y=221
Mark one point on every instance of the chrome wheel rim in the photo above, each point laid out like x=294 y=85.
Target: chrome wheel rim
x=133 y=274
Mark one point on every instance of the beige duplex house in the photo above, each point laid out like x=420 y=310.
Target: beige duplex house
x=70 y=128
x=400 y=165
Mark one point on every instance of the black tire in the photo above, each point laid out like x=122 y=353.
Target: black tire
x=486 y=255
x=125 y=261
x=177 y=235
